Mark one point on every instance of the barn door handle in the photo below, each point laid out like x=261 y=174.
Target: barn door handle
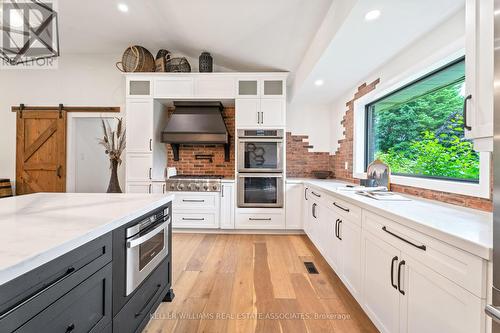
x=58 y=171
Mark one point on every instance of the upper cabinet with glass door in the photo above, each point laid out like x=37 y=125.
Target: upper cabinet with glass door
x=139 y=87
x=479 y=73
x=261 y=87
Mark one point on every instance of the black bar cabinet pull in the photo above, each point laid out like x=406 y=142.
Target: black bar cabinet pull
x=150 y=173
x=193 y=200
x=150 y=144
x=421 y=247
x=316 y=194
x=305 y=193
x=263 y=219
x=314 y=210
x=392 y=272
x=338 y=206
x=193 y=219
x=336 y=223
x=401 y=264
x=467 y=127
x=338 y=229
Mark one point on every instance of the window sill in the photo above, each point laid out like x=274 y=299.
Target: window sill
x=480 y=190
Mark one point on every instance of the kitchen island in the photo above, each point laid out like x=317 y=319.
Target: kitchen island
x=73 y=261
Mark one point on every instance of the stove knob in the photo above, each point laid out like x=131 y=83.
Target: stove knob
x=172 y=186
x=205 y=187
x=197 y=187
x=180 y=187
x=189 y=187
x=215 y=187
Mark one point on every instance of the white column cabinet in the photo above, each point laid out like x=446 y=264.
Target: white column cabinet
x=227 y=205
x=479 y=72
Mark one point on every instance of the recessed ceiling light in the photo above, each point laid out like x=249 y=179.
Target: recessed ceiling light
x=122 y=7
x=372 y=15
x=319 y=82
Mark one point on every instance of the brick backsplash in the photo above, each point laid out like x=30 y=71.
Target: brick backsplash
x=345 y=154
x=300 y=162
x=188 y=164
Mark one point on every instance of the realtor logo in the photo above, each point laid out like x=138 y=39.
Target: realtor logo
x=29 y=34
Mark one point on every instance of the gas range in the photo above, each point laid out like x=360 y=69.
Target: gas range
x=194 y=183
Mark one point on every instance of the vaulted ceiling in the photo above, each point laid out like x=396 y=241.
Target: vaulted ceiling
x=312 y=39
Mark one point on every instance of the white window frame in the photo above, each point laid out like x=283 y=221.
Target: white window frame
x=481 y=189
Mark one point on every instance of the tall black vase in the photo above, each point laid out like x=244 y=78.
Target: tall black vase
x=114 y=184
x=206 y=63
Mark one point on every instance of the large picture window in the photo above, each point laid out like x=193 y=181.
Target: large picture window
x=418 y=129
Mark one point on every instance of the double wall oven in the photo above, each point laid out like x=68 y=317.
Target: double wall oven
x=260 y=168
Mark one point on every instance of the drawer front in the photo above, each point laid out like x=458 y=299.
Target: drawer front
x=141 y=305
x=195 y=220
x=260 y=221
x=28 y=295
x=189 y=200
x=86 y=308
x=461 y=267
x=345 y=209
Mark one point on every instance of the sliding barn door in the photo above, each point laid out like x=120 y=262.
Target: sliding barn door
x=41 y=151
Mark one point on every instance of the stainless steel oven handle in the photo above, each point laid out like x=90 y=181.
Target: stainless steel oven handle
x=142 y=239
x=260 y=139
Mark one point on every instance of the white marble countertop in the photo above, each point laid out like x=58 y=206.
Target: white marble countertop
x=38 y=228
x=464 y=228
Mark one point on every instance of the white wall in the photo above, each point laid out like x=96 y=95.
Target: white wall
x=313 y=120
x=80 y=80
x=446 y=39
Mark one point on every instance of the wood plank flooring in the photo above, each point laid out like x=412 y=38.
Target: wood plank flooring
x=254 y=283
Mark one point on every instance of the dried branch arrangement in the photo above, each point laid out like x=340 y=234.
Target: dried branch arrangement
x=113 y=141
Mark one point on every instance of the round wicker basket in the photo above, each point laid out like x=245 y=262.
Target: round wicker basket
x=136 y=59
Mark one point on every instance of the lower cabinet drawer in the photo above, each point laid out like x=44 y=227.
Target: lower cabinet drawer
x=195 y=220
x=86 y=308
x=28 y=295
x=196 y=200
x=260 y=221
x=142 y=304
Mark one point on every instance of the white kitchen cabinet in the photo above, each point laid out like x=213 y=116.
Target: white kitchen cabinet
x=195 y=219
x=381 y=297
x=139 y=187
x=272 y=88
x=254 y=112
x=432 y=303
x=247 y=112
x=158 y=187
x=248 y=88
x=207 y=86
x=260 y=218
x=139 y=125
x=272 y=112
x=350 y=234
x=138 y=87
x=227 y=205
x=139 y=167
x=293 y=206
x=174 y=87
x=479 y=72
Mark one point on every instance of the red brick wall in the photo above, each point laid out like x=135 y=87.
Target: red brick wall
x=299 y=161
x=345 y=154
x=188 y=164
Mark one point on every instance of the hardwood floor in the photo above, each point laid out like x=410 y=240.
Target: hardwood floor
x=254 y=283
